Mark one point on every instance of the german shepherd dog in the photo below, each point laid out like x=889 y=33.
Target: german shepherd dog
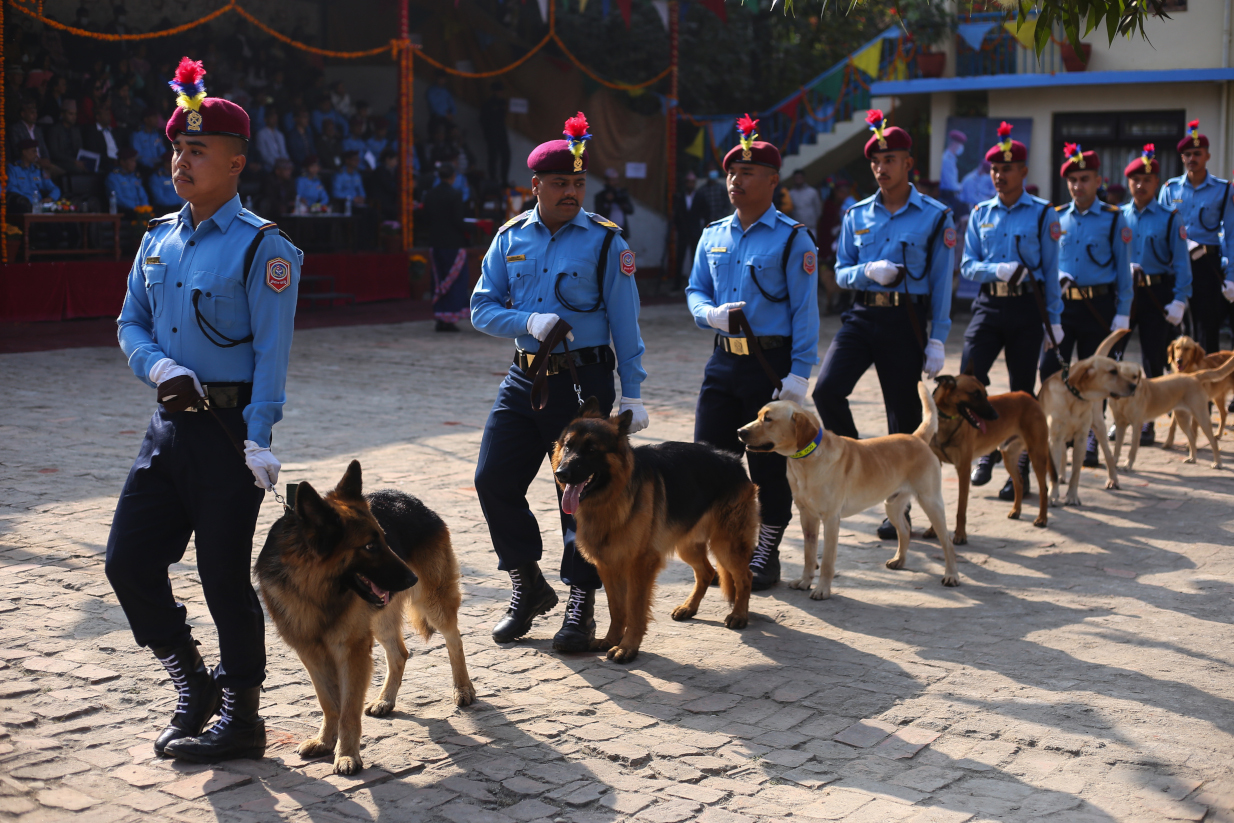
x=342 y=569
x=635 y=506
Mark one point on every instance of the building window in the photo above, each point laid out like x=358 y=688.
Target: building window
x=1118 y=138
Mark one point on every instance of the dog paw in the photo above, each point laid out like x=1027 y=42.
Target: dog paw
x=1041 y=522
x=929 y=534
x=1188 y=459
x=1073 y=500
x=1215 y=465
x=619 y=655
x=464 y=695
x=344 y=764
x=959 y=538
x=379 y=708
x=894 y=563
x=736 y=621
x=821 y=593
x=601 y=645
x=1014 y=514
x=801 y=583
x=1112 y=484
x=314 y=747
x=951 y=580
x=684 y=613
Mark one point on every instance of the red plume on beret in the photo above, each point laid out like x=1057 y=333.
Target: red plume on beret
x=576 y=134
x=1004 y=129
x=746 y=126
x=188 y=85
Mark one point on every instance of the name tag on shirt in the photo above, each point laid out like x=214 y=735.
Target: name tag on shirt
x=986 y=226
x=1179 y=200
x=152 y=260
x=718 y=250
x=515 y=258
x=862 y=231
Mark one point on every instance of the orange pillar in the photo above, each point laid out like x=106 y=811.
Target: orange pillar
x=671 y=139
x=407 y=137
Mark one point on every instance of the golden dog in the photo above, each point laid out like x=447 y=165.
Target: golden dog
x=1187 y=356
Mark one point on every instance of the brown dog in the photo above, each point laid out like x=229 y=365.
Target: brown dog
x=972 y=423
x=832 y=477
x=343 y=569
x=1185 y=395
x=635 y=506
x=1187 y=356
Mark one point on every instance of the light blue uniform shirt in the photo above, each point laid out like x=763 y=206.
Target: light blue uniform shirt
x=723 y=261
x=130 y=193
x=1090 y=255
x=523 y=266
x=1200 y=207
x=1027 y=233
x=1157 y=250
x=357 y=144
x=29 y=182
x=150 y=146
x=347 y=184
x=176 y=261
x=869 y=232
x=310 y=190
x=163 y=191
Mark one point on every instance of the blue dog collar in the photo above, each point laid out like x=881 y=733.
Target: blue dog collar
x=808 y=450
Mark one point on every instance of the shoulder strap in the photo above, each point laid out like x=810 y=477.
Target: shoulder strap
x=1229 y=191
x=1041 y=220
x=938 y=226
x=251 y=254
x=788 y=247
x=1113 y=229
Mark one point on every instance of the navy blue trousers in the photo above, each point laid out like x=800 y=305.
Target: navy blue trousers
x=1155 y=332
x=884 y=338
x=189 y=480
x=1004 y=324
x=734 y=388
x=1082 y=333
x=516 y=441
x=1209 y=308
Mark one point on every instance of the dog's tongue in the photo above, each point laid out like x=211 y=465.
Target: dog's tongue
x=570 y=496
x=981 y=425
x=382 y=594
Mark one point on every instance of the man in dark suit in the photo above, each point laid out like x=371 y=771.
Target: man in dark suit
x=27 y=128
x=64 y=139
x=102 y=139
x=689 y=217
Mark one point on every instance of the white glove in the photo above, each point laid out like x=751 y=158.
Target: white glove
x=165 y=369
x=1121 y=321
x=1137 y=270
x=1227 y=289
x=882 y=272
x=640 y=420
x=1058 y=335
x=933 y=358
x=539 y=325
x=717 y=316
x=1065 y=281
x=264 y=465
x=795 y=388
x=1005 y=271
x=1174 y=312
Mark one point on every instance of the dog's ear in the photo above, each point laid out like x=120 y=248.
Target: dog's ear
x=805 y=429
x=945 y=381
x=351 y=486
x=320 y=518
x=623 y=422
x=590 y=408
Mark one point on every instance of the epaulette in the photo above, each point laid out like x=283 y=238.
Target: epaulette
x=864 y=201
x=1111 y=207
x=1038 y=200
x=516 y=218
x=1063 y=207
x=718 y=222
x=603 y=221
x=259 y=223
x=158 y=221
x=938 y=204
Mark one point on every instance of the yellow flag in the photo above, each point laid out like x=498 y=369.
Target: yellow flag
x=1024 y=33
x=898 y=70
x=696 y=147
x=868 y=59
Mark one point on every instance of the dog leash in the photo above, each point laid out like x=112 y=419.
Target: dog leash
x=1039 y=299
x=737 y=323
x=539 y=366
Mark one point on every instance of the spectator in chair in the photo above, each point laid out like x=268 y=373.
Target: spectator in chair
x=356 y=142
x=271 y=144
x=347 y=183
x=125 y=182
x=27 y=128
x=614 y=202
x=329 y=147
x=308 y=185
x=149 y=140
x=159 y=185
x=300 y=142
x=27 y=182
x=440 y=101
x=64 y=139
x=384 y=187
x=101 y=139
x=278 y=191
x=380 y=140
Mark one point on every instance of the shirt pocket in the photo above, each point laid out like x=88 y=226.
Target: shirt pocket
x=913 y=253
x=221 y=303
x=524 y=279
x=155 y=274
x=577 y=287
x=717 y=267
x=764 y=278
x=864 y=244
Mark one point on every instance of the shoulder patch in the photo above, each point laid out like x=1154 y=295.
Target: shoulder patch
x=516 y=218
x=1182 y=232
x=627 y=262
x=809 y=262
x=278 y=274
x=603 y=221
x=949 y=237
x=1056 y=231
x=1126 y=234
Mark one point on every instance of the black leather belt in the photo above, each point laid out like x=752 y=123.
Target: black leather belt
x=883 y=299
x=1080 y=292
x=227 y=395
x=557 y=362
x=1001 y=289
x=741 y=345
x=1155 y=280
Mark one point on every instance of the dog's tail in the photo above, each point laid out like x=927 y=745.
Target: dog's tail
x=929 y=414
x=1220 y=373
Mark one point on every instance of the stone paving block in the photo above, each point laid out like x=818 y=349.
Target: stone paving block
x=582 y=795
x=144 y=801
x=1176 y=809
x=701 y=794
x=524 y=785
x=722 y=816
x=366 y=777
x=626 y=803
x=16 y=805
x=713 y=703
x=905 y=743
x=836 y=804
x=791 y=758
x=468 y=788
x=941 y=815
x=205 y=783
x=865 y=733
x=881 y=811
x=669 y=811
x=530 y=809
x=887 y=791
x=66 y=798
x=460 y=812
x=17 y=688
x=810 y=779
x=141 y=777
x=624 y=753
x=927 y=779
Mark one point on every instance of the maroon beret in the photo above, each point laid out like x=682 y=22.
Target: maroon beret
x=1146 y=163
x=886 y=138
x=197 y=114
x=1193 y=139
x=1076 y=159
x=1007 y=150
x=555 y=157
x=759 y=153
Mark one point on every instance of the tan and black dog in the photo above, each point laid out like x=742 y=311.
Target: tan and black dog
x=343 y=569
x=971 y=423
x=635 y=506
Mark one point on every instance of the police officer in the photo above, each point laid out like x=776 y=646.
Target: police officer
x=551 y=264
x=896 y=251
x=1094 y=268
x=766 y=264
x=207 y=322
x=1202 y=200
x=124 y=183
x=1011 y=249
x=1160 y=268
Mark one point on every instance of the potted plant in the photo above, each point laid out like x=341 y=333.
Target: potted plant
x=1073 y=61
x=928 y=24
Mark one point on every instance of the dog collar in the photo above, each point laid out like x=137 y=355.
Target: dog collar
x=818 y=438
x=1070 y=388
x=948 y=416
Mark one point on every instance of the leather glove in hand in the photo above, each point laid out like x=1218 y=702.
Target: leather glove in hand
x=933 y=358
x=264 y=465
x=882 y=272
x=794 y=389
x=175 y=395
x=640 y=420
x=717 y=316
x=540 y=325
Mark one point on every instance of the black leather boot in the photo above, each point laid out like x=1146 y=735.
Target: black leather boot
x=886 y=531
x=532 y=596
x=238 y=733
x=766 y=561
x=1148 y=434
x=1008 y=490
x=579 y=628
x=1090 y=452
x=985 y=468
x=198 y=694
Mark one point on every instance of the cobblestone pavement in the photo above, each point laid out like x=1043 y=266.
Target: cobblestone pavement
x=1081 y=673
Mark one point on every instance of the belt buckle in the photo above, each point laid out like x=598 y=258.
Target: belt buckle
x=884 y=299
x=738 y=345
